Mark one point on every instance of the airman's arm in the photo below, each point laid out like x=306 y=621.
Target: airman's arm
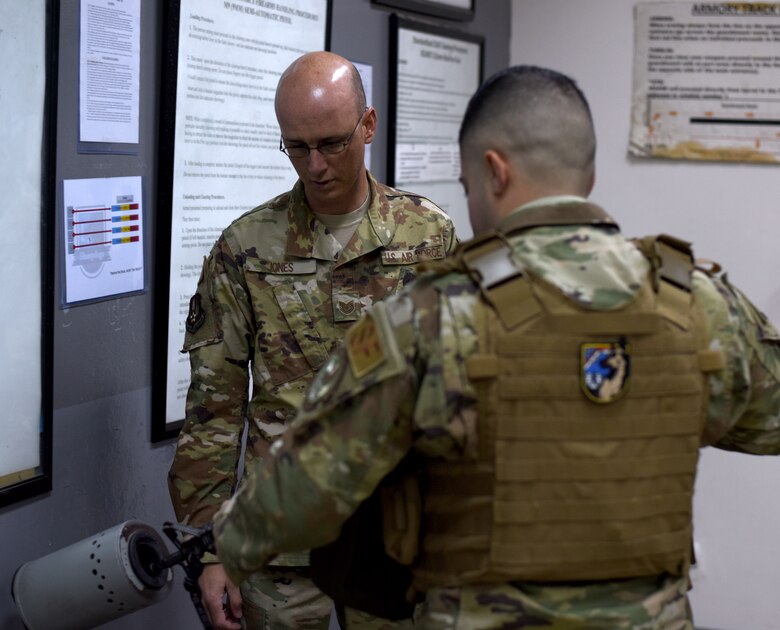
x=744 y=408
x=354 y=428
x=218 y=337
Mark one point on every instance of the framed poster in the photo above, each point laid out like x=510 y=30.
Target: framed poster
x=462 y=10
x=219 y=153
x=433 y=74
x=706 y=81
x=28 y=103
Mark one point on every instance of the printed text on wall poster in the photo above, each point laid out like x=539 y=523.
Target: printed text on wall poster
x=707 y=81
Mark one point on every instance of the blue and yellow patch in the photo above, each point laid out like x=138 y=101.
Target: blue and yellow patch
x=605 y=370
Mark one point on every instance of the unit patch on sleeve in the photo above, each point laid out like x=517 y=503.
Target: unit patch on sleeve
x=605 y=369
x=196 y=316
x=325 y=382
x=364 y=347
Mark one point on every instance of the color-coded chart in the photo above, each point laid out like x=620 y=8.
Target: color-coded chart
x=103 y=237
x=86 y=223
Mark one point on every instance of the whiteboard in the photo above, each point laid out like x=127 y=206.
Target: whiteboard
x=24 y=275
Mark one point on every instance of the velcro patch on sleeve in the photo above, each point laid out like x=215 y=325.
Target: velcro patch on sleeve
x=202 y=326
x=364 y=347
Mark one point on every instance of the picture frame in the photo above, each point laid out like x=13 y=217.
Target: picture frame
x=433 y=72
x=219 y=100
x=458 y=10
x=26 y=465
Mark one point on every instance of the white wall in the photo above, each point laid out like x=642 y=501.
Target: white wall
x=731 y=212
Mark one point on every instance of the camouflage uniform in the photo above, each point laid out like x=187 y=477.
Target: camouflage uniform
x=354 y=430
x=276 y=296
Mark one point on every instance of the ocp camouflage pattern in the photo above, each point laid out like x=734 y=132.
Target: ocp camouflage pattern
x=278 y=293
x=352 y=434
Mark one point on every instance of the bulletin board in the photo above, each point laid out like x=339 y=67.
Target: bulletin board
x=27 y=157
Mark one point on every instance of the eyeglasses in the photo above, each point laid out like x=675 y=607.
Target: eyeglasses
x=326 y=148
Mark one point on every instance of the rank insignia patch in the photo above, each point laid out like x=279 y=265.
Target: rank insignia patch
x=196 y=316
x=346 y=307
x=605 y=369
x=364 y=347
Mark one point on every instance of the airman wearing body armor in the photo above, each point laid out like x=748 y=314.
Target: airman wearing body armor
x=549 y=388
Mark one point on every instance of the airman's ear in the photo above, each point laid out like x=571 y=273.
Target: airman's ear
x=499 y=171
x=369 y=125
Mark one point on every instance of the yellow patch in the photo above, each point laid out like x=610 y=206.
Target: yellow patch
x=364 y=347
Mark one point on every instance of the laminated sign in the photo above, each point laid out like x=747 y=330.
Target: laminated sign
x=707 y=81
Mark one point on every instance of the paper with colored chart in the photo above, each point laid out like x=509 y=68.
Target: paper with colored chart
x=104 y=241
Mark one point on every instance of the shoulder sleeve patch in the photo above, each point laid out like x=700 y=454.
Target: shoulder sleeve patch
x=202 y=326
x=364 y=347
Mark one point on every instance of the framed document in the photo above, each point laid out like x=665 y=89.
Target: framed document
x=103 y=239
x=462 y=10
x=433 y=74
x=706 y=81
x=219 y=154
x=27 y=159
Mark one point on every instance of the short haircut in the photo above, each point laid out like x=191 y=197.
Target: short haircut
x=539 y=117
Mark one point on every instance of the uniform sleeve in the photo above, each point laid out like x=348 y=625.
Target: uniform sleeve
x=218 y=338
x=744 y=407
x=354 y=428
x=450 y=238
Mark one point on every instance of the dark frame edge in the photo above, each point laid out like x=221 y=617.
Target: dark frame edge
x=162 y=430
x=42 y=482
x=392 y=98
x=431 y=8
x=328 y=23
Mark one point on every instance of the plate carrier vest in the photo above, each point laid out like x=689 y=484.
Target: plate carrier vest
x=565 y=489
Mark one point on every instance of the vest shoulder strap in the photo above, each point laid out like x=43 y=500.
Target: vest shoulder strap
x=672 y=264
x=502 y=282
x=670 y=257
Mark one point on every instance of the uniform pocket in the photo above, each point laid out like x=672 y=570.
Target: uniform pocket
x=299 y=320
x=287 y=341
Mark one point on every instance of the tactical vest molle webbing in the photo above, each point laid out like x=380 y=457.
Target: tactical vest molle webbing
x=565 y=488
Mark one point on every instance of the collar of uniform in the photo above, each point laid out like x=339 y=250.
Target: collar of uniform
x=555 y=211
x=376 y=229
x=306 y=237
x=553 y=200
